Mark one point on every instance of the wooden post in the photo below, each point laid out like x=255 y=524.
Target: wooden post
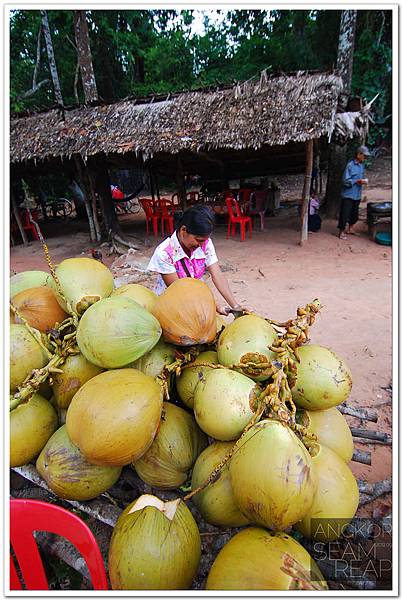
x=155 y=181
x=17 y=216
x=151 y=183
x=306 y=192
x=181 y=185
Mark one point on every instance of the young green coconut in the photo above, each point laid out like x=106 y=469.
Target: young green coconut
x=190 y=377
x=116 y=331
x=68 y=474
x=155 y=545
x=216 y=502
x=336 y=499
x=224 y=403
x=272 y=477
x=31 y=425
x=331 y=429
x=255 y=559
x=323 y=379
x=153 y=362
x=113 y=418
x=174 y=450
x=29 y=279
x=83 y=282
x=247 y=340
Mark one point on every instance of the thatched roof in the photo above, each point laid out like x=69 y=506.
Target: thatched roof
x=274 y=111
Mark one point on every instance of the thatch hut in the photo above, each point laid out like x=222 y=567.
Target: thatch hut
x=254 y=128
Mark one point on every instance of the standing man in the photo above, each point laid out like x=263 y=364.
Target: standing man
x=352 y=182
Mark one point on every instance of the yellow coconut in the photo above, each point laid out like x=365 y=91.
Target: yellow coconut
x=31 y=425
x=247 y=339
x=331 y=429
x=216 y=502
x=26 y=354
x=77 y=370
x=254 y=559
x=335 y=501
x=141 y=294
x=190 y=377
x=224 y=403
x=155 y=545
x=272 y=477
x=174 y=450
x=83 y=281
x=113 y=418
x=323 y=379
x=68 y=474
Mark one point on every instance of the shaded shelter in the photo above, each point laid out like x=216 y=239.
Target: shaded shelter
x=253 y=128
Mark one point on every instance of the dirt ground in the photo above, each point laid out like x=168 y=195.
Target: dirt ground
x=274 y=275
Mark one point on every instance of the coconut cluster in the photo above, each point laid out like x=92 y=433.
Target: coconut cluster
x=162 y=385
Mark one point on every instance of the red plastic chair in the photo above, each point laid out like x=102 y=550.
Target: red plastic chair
x=151 y=216
x=26 y=223
x=192 y=198
x=27 y=516
x=235 y=217
x=175 y=200
x=166 y=210
x=243 y=198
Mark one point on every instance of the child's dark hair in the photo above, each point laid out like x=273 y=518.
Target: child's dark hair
x=198 y=220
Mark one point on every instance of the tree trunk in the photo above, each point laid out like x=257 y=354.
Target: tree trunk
x=17 y=217
x=338 y=158
x=85 y=56
x=99 y=174
x=306 y=192
x=51 y=59
x=88 y=207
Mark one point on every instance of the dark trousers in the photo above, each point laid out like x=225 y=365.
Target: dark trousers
x=349 y=213
x=314 y=222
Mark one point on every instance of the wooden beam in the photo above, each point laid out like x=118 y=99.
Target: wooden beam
x=306 y=192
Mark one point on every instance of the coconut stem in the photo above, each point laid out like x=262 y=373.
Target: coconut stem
x=53 y=273
x=31 y=384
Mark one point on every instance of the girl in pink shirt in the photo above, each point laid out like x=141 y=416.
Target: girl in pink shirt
x=189 y=252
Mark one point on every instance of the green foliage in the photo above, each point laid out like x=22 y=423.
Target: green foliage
x=142 y=52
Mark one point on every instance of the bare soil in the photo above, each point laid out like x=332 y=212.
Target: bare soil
x=274 y=274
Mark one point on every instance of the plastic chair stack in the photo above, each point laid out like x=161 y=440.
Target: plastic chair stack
x=27 y=516
x=236 y=218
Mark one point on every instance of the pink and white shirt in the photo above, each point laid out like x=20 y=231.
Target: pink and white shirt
x=169 y=257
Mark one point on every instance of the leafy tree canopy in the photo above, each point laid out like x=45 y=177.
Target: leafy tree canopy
x=141 y=52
